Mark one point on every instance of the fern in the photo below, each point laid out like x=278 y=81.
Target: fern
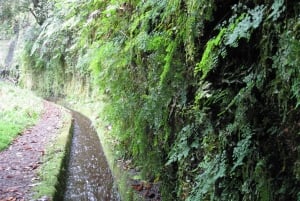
x=286 y=62
x=278 y=8
x=213 y=170
x=241 y=28
x=244 y=25
x=168 y=61
x=242 y=149
x=210 y=55
x=181 y=148
x=263 y=184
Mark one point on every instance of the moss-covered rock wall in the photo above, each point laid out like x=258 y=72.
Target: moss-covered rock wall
x=203 y=96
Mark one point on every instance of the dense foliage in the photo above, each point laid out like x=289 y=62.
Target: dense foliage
x=15 y=14
x=204 y=96
x=7 y=16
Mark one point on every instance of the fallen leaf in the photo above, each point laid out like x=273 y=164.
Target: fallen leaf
x=27 y=148
x=10 y=199
x=44 y=198
x=137 y=187
x=19 y=154
x=42 y=152
x=147 y=186
x=34 y=166
x=34 y=179
x=32 y=185
x=12 y=189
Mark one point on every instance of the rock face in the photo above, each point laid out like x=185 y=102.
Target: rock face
x=9 y=59
x=4 y=46
x=9 y=68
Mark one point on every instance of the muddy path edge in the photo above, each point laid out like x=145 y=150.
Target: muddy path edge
x=56 y=160
x=30 y=166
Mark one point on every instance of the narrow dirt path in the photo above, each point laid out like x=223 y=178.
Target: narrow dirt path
x=19 y=163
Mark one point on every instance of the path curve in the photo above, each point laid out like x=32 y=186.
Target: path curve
x=19 y=163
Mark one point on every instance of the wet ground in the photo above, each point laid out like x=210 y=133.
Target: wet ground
x=19 y=163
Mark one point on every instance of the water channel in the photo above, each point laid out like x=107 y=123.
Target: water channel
x=88 y=177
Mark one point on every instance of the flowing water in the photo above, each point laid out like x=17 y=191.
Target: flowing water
x=89 y=177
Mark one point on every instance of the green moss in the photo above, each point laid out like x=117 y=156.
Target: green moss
x=210 y=55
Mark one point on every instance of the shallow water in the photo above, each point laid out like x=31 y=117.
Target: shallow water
x=88 y=177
